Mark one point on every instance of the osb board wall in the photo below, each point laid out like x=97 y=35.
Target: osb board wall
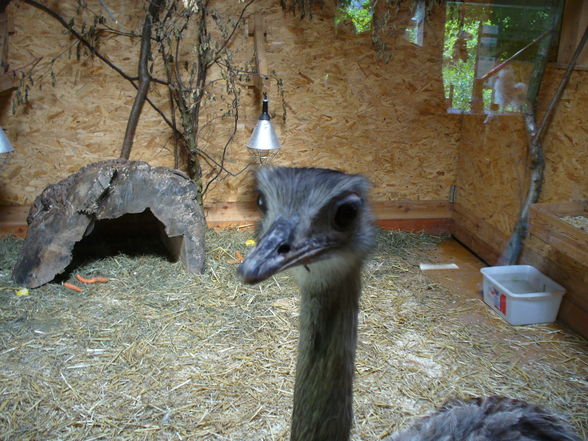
x=566 y=142
x=345 y=108
x=492 y=176
x=492 y=182
x=80 y=120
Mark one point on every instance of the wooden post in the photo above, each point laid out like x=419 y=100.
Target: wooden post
x=574 y=22
x=262 y=79
x=7 y=81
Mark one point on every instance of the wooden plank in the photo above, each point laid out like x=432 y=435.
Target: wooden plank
x=14 y=215
x=566 y=208
x=574 y=22
x=383 y=210
x=476 y=234
x=570 y=274
x=13 y=220
x=412 y=209
x=231 y=215
x=429 y=225
x=262 y=79
x=558 y=265
x=565 y=237
x=231 y=212
x=433 y=217
x=573 y=316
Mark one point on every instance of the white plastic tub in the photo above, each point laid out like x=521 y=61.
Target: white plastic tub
x=522 y=294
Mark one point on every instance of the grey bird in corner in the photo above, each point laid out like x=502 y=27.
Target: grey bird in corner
x=319 y=223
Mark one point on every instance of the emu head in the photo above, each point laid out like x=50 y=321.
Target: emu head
x=309 y=215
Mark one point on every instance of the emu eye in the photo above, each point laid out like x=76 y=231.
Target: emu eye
x=346 y=211
x=261 y=204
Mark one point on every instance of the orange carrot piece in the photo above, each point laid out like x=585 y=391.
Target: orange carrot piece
x=239 y=259
x=92 y=280
x=72 y=287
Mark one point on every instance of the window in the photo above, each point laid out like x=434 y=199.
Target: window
x=494 y=53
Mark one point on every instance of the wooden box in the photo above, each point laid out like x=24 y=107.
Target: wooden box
x=560 y=250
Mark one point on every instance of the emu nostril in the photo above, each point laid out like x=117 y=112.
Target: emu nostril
x=284 y=248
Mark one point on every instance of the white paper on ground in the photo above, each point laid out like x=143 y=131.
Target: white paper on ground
x=437 y=266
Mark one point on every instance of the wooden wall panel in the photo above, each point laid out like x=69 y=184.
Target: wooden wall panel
x=549 y=247
x=492 y=175
x=346 y=108
x=566 y=142
x=574 y=21
x=80 y=120
x=432 y=217
x=492 y=172
x=492 y=183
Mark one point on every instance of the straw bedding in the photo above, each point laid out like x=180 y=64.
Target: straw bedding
x=157 y=354
x=580 y=222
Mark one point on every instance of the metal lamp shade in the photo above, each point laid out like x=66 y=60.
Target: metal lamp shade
x=264 y=137
x=5 y=145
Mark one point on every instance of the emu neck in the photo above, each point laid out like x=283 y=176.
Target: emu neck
x=326 y=354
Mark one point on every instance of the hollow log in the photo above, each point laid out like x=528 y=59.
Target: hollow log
x=66 y=212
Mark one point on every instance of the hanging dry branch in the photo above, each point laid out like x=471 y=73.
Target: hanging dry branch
x=189 y=86
x=187 y=79
x=94 y=51
x=144 y=76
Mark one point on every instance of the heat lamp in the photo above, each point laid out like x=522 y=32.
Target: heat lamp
x=264 y=142
x=5 y=145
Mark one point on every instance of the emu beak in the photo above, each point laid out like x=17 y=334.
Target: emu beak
x=277 y=251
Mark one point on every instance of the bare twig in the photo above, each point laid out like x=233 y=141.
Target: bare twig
x=186 y=94
x=230 y=37
x=108 y=11
x=516 y=54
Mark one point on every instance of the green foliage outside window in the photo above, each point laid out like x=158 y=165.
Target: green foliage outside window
x=359 y=12
x=517 y=24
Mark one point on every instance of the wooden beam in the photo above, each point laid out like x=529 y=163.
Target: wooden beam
x=13 y=220
x=433 y=217
x=569 y=273
x=545 y=223
x=573 y=24
x=477 y=234
x=3 y=42
x=262 y=79
x=7 y=82
x=439 y=227
x=406 y=209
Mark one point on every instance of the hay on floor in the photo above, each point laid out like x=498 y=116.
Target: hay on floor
x=157 y=354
